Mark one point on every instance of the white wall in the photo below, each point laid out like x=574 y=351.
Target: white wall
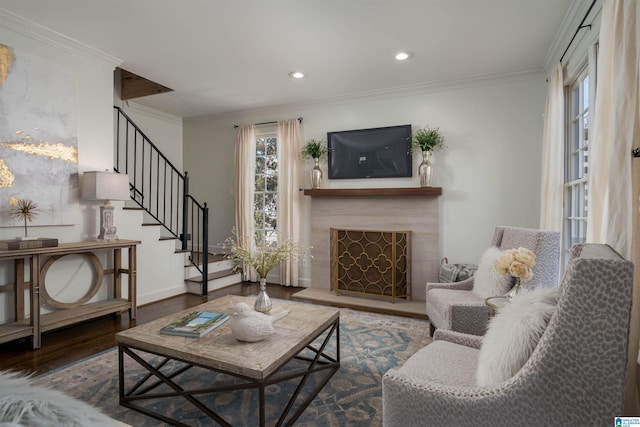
x=164 y=130
x=93 y=71
x=490 y=172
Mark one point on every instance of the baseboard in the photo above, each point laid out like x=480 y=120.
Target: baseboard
x=162 y=294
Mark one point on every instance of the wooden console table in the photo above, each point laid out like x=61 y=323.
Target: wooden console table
x=39 y=261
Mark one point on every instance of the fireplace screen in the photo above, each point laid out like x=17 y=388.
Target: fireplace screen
x=371 y=262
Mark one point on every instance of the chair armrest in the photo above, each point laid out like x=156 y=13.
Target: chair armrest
x=468 y=340
x=463 y=285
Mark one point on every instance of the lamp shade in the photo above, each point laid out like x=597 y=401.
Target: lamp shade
x=105 y=186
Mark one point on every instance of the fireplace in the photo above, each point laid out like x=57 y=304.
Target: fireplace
x=399 y=209
x=371 y=262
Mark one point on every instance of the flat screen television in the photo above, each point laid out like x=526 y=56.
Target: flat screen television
x=370 y=153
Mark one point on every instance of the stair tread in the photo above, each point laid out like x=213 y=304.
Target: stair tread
x=213 y=276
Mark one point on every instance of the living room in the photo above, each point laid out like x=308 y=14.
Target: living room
x=490 y=173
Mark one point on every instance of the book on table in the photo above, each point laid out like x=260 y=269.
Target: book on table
x=196 y=324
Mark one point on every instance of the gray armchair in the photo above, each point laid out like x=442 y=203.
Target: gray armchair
x=575 y=375
x=455 y=307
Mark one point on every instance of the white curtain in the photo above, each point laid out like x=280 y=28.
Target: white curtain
x=289 y=203
x=551 y=190
x=245 y=160
x=615 y=128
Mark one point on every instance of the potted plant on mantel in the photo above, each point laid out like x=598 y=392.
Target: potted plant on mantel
x=314 y=149
x=262 y=256
x=427 y=140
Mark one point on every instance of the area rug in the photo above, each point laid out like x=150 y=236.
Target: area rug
x=370 y=344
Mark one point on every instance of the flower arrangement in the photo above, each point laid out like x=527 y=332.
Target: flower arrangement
x=265 y=257
x=427 y=139
x=517 y=262
x=24 y=210
x=314 y=149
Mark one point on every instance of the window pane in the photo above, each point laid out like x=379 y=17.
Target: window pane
x=266 y=187
x=585 y=93
x=577 y=162
x=260 y=147
x=260 y=164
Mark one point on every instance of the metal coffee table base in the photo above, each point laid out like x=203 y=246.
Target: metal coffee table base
x=143 y=390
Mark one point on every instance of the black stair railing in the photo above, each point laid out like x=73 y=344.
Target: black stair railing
x=162 y=191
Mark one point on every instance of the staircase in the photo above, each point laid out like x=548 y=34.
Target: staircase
x=161 y=192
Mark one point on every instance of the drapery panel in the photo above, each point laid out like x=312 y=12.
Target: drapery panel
x=289 y=197
x=551 y=189
x=616 y=130
x=245 y=159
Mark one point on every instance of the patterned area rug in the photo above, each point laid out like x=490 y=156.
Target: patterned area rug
x=370 y=344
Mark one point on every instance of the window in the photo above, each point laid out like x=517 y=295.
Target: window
x=265 y=206
x=576 y=193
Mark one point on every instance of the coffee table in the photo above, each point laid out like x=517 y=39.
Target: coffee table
x=303 y=335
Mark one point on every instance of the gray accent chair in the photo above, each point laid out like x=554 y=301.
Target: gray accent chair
x=575 y=375
x=455 y=307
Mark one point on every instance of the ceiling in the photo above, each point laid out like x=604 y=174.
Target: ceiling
x=221 y=56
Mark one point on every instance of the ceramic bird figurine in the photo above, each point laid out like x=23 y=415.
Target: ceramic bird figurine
x=251 y=326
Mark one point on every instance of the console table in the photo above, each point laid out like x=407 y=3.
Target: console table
x=39 y=262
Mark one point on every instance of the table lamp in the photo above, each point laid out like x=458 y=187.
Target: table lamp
x=105 y=186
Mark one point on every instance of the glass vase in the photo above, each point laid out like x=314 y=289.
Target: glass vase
x=515 y=290
x=263 y=302
x=425 y=170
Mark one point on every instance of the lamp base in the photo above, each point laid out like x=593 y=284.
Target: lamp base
x=107 y=229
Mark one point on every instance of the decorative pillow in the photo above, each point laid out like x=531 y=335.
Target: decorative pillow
x=25 y=404
x=514 y=333
x=487 y=281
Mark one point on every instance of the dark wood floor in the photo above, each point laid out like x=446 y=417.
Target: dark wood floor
x=68 y=345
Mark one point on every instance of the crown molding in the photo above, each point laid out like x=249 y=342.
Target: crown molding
x=392 y=92
x=37 y=32
x=568 y=27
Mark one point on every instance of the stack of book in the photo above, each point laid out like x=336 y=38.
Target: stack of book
x=196 y=324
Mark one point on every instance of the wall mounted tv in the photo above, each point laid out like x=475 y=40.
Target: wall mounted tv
x=370 y=153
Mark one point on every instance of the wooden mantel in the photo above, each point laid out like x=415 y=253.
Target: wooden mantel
x=369 y=192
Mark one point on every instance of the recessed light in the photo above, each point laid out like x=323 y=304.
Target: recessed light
x=296 y=74
x=402 y=56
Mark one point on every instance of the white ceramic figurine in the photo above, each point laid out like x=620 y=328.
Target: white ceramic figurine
x=251 y=326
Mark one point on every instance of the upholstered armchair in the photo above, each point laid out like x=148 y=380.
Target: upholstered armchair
x=575 y=375
x=454 y=306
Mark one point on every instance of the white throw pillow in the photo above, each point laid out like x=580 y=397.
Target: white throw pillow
x=514 y=333
x=487 y=281
x=26 y=404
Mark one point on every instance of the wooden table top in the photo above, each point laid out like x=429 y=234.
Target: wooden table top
x=221 y=351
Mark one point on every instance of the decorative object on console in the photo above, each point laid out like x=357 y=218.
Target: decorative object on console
x=252 y=326
x=105 y=186
x=24 y=210
x=427 y=140
x=263 y=256
x=518 y=263
x=315 y=149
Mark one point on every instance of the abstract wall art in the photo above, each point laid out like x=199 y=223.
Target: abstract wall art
x=38 y=138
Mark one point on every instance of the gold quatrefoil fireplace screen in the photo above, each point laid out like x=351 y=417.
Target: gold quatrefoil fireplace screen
x=371 y=262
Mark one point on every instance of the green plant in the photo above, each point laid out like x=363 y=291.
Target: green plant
x=265 y=256
x=427 y=139
x=314 y=149
x=25 y=210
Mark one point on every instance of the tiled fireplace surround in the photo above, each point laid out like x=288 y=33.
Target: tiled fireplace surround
x=414 y=209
